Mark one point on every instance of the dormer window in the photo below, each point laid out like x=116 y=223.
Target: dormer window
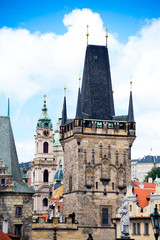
x=99 y=124
x=110 y=125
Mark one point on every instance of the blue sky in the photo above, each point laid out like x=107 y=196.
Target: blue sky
x=42 y=48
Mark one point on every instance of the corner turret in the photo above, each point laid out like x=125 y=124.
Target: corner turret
x=130 y=108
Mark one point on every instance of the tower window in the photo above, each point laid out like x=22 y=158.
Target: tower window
x=45 y=147
x=96 y=185
x=45 y=202
x=99 y=124
x=112 y=185
x=88 y=124
x=104 y=216
x=2 y=181
x=70 y=183
x=45 y=176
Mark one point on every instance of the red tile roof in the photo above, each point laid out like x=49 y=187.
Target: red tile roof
x=143 y=195
x=3 y=236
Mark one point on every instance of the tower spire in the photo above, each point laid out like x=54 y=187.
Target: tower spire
x=79 y=109
x=130 y=108
x=64 y=111
x=8 y=107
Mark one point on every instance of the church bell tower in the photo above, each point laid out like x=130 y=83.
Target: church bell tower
x=44 y=165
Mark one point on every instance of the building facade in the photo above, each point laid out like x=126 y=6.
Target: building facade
x=142 y=198
x=15 y=195
x=141 y=167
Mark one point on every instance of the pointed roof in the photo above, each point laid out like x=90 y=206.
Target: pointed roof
x=96 y=94
x=64 y=111
x=79 y=109
x=130 y=109
x=8 y=155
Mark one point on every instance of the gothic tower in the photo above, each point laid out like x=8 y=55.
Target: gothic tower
x=44 y=165
x=97 y=149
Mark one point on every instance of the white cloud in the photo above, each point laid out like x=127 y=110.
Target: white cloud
x=31 y=63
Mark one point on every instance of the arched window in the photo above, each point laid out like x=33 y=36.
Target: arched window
x=45 y=202
x=45 y=147
x=45 y=176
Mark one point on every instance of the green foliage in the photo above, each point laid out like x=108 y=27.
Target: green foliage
x=155 y=172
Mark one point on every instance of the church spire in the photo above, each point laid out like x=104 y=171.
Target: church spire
x=130 y=108
x=79 y=110
x=64 y=111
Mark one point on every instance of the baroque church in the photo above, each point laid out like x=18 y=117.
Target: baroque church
x=48 y=156
x=97 y=157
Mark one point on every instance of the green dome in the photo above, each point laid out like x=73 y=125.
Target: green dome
x=44 y=121
x=59 y=174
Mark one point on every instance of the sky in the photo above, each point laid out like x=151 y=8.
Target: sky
x=42 y=49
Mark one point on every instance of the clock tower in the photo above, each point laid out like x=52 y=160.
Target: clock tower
x=44 y=165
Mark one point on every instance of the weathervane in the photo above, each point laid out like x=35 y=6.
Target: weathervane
x=87 y=34
x=44 y=97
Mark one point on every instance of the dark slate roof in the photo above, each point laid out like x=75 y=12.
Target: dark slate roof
x=8 y=154
x=96 y=94
x=150 y=159
x=64 y=112
x=121 y=118
x=79 y=109
x=130 y=109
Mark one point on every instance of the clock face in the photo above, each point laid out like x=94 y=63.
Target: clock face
x=46 y=133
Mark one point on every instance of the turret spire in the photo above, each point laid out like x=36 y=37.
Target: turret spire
x=64 y=111
x=87 y=34
x=130 y=108
x=106 y=35
x=79 y=109
x=8 y=108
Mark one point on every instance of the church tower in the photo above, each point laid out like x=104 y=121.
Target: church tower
x=44 y=165
x=97 y=149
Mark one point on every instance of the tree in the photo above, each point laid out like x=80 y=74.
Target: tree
x=155 y=172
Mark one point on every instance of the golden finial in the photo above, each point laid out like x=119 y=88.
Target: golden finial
x=65 y=91
x=87 y=34
x=79 y=82
x=106 y=35
x=112 y=91
x=131 y=84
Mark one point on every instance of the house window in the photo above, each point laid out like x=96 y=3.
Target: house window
x=45 y=202
x=2 y=181
x=104 y=216
x=58 y=208
x=45 y=147
x=146 y=228
x=18 y=211
x=45 y=176
x=136 y=229
x=18 y=229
